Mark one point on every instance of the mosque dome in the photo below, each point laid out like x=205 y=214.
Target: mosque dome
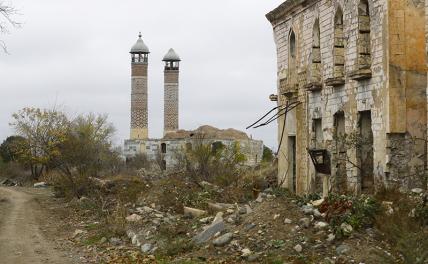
x=171 y=56
x=139 y=46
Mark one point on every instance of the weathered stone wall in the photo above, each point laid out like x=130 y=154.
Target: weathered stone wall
x=366 y=84
x=253 y=149
x=139 y=108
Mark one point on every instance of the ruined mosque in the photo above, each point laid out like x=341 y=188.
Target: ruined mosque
x=351 y=94
x=174 y=139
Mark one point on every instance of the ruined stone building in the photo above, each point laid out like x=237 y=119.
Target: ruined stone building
x=356 y=72
x=175 y=141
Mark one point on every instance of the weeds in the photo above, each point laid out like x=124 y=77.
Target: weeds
x=359 y=212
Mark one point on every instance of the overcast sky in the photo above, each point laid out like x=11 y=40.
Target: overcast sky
x=75 y=54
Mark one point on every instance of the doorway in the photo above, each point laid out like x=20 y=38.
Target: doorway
x=365 y=152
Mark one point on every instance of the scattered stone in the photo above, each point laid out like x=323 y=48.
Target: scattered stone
x=219 y=207
x=249 y=210
x=342 y=249
x=298 y=248
x=193 y=212
x=246 y=252
x=346 y=228
x=206 y=184
x=307 y=209
x=317 y=203
x=133 y=218
x=209 y=232
x=242 y=210
x=320 y=225
x=103 y=240
x=146 y=248
x=148 y=209
x=205 y=220
x=305 y=222
x=259 y=198
x=78 y=232
x=417 y=190
x=253 y=257
x=330 y=237
x=295 y=229
x=249 y=226
x=276 y=216
x=287 y=221
x=40 y=185
x=230 y=211
x=317 y=213
x=115 y=241
x=223 y=240
x=218 y=217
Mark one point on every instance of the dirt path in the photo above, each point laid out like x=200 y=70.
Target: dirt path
x=21 y=236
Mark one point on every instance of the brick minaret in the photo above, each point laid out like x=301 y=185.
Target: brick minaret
x=172 y=65
x=139 y=114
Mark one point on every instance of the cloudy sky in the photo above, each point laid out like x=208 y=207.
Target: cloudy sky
x=75 y=54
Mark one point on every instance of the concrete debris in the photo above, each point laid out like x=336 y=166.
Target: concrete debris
x=146 y=248
x=134 y=218
x=330 y=237
x=287 y=221
x=298 y=248
x=317 y=203
x=259 y=198
x=246 y=252
x=209 y=232
x=206 y=220
x=193 y=212
x=305 y=222
x=248 y=209
x=78 y=232
x=321 y=225
x=342 y=249
x=223 y=240
x=115 y=241
x=417 y=190
x=307 y=209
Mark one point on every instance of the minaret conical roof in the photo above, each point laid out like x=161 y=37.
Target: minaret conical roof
x=139 y=46
x=171 y=56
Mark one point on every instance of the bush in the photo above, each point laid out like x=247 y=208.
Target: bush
x=359 y=212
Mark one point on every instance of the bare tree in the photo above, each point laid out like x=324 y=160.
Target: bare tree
x=6 y=21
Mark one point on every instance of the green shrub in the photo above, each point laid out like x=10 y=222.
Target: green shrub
x=359 y=212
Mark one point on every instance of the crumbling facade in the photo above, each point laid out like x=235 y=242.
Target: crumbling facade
x=175 y=142
x=358 y=72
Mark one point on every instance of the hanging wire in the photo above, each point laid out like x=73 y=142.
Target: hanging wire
x=283 y=111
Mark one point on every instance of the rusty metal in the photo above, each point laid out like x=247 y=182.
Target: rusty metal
x=321 y=160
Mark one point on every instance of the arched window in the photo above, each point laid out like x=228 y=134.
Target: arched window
x=363 y=47
x=292 y=72
x=292 y=45
x=338 y=50
x=163 y=148
x=315 y=60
